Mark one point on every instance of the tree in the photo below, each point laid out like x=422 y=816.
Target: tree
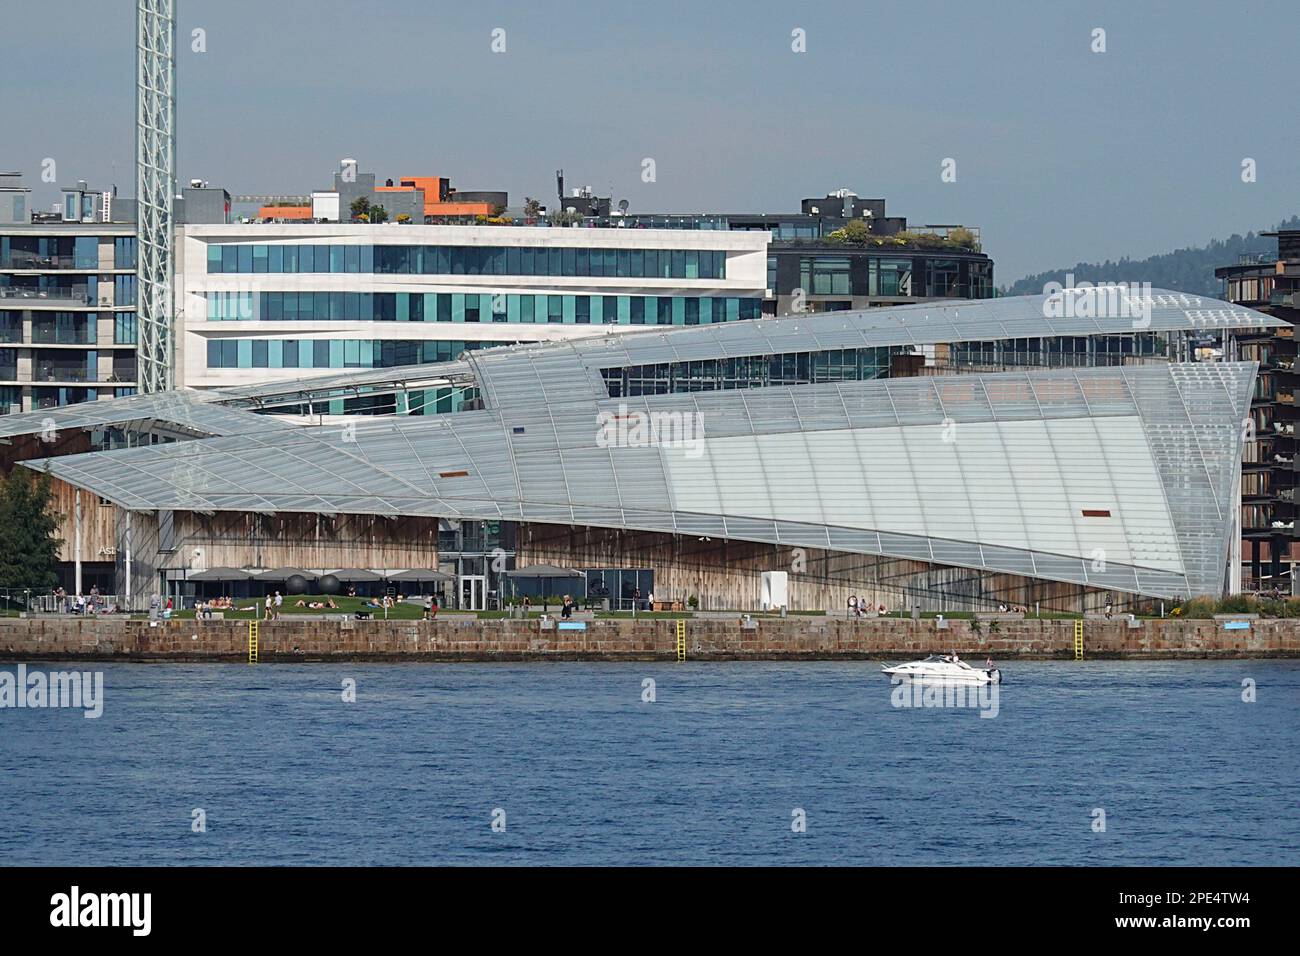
x=29 y=541
x=360 y=208
x=378 y=214
x=855 y=230
x=532 y=208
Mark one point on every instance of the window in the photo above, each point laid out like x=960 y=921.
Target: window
x=824 y=275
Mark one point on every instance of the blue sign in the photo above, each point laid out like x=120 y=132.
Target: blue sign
x=573 y=625
x=1236 y=625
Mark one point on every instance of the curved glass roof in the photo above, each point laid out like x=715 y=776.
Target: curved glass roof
x=1120 y=477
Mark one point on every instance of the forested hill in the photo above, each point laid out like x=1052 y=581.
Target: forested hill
x=1183 y=270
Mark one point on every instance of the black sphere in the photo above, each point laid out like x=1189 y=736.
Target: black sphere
x=328 y=584
x=296 y=584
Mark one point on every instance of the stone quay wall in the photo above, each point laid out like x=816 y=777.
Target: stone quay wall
x=792 y=638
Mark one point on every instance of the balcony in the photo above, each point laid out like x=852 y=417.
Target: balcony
x=29 y=261
x=52 y=335
x=22 y=298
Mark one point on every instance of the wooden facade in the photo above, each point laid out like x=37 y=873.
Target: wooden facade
x=727 y=575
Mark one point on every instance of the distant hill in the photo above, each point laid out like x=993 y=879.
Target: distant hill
x=1183 y=270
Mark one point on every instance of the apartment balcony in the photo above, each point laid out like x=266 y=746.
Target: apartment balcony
x=31 y=262
x=22 y=298
x=86 y=338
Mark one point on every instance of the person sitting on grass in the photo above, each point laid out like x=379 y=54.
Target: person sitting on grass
x=300 y=603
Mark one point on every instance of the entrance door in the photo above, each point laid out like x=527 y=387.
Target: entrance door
x=473 y=592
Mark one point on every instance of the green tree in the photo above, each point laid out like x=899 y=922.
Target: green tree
x=29 y=541
x=360 y=208
x=855 y=231
x=378 y=214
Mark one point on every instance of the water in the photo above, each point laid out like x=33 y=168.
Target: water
x=708 y=774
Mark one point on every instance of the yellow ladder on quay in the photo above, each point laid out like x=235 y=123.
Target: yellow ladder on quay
x=681 y=639
x=253 y=634
x=1078 y=640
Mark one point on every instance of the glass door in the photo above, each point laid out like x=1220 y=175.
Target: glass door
x=473 y=592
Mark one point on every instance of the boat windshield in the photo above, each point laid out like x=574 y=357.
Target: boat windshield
x=945 y=659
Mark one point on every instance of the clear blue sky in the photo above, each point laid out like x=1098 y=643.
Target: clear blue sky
x=1062 y=154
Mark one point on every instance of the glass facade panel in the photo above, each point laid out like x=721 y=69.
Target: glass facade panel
x=468 y=260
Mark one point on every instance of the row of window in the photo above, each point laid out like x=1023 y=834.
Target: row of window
x=427 y=401
x=752 y=371
x=331 y=353
x=478 y=307
x=469 y=260
x=885 y=276
x=66 y=328
x=53 y=365
x=1062 y=350
x=63 y=252
x=49 y=252
x=125 y=252
x=11 y=397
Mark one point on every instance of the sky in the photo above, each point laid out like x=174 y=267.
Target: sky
x=1061 y=154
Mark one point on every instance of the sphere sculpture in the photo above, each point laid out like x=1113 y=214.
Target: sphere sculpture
x=296 y=584
x=328 y=584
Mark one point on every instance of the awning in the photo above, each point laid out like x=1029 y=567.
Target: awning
x=353 y=575
x=221 y=574
x=284 y=574
x=421 y=574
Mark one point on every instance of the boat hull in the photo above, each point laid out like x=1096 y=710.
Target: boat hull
x=930 y=675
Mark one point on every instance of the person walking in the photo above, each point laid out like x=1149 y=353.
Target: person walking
x=279 y=602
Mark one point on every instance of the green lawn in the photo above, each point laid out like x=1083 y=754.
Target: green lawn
x=346 y=605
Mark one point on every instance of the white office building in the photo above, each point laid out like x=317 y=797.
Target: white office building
x=267 y=302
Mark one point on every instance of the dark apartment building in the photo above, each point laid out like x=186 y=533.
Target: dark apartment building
x=1271 y=284
x=842 y=252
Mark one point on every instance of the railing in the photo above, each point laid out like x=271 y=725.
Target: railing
x=54 y=373
x=29 y=260
x=44 y=296
x=49 y=336
x=43 y=601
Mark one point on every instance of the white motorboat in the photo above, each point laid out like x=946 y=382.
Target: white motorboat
x=945 y=668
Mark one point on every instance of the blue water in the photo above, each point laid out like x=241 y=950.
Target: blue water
x=710 y=773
